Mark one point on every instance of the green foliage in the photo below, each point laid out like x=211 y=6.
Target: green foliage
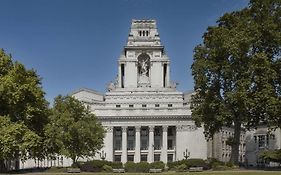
x=221 y=168
x=181 y=168
x=157 y=165
x=21 y=95
x=73 y=131
x=16 y=138
x=56 y=170
x=137 y=167
x=25 y=109
x=214 y=162
x=272 y=155
x=189 y=163
x=237 y=71
x=98 y=165
x=107 y=168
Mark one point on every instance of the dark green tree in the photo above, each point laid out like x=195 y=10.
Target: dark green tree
x=22 y=102
x=21 y=94
x=15 y=139
x=236 y=71
x=73 y=130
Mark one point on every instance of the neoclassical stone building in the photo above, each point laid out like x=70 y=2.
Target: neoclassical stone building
x=145 y=117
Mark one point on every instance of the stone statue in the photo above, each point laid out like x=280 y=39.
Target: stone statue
x=144 y=64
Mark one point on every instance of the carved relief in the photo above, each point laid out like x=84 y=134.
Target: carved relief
x=186 y=128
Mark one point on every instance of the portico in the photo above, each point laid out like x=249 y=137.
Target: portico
x=143 y=143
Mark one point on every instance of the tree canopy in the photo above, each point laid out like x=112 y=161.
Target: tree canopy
x=23 y=111
x=73 y=131
x=21 y=94
x=237 y=71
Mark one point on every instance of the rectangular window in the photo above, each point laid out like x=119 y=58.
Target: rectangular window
x=131 y=106
x=130 y=158
x=157 y=105
x=156 y=157
x=170 y=157
x=117 y=158
x=143 y=105
x=118 y=106
x=170 y=105
x=122 y=75
x=170 y=131
x=164 y=75
x=170 y=144
x=144 y=158
x=261 y=141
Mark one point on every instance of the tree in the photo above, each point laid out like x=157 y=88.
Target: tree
x=271 y=155
x=22 y=102
x=73 y=131
x=21 y=94
x=16 y=138
x=236 y=71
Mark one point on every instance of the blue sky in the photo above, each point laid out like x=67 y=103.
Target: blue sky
x=76 y=43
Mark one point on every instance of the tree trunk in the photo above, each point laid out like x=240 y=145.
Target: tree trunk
x=74 y=162
x=2 y=166
x=236 y=143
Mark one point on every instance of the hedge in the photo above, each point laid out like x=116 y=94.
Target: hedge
x=189 y=163
x=132 y=167
x=98 y=165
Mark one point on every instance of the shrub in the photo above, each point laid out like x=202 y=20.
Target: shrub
x=157 y=165
x=230 y=164
x=221 y=168
x=214 y=162
x=56 y=170
x=107 y=168
x=197 y=163
x=181 y=168
x=172 y=165
x=142 y=167
x=189 y=163
x=98 y=165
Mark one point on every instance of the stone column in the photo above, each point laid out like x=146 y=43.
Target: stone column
x=109 y=143
x=137 y=147
x=164 y=144
x=150 y=156
x=180 y=146
x=124 y=144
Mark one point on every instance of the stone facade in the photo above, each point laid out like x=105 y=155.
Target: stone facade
x=146 y=118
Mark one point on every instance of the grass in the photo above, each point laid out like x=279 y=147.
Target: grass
x=246 y=172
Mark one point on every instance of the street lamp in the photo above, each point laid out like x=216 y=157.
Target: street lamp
x=186 y=154
x=102 y=155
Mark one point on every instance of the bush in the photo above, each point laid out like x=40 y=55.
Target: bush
x=173 y=165
x=98 y=165
x=230 y=164
x=221 y=168
x=142 y=167
x=107 y=168
x=157 y=165
x=189 y=163
x=214 y=162
x=56 y=170
x=181 y=168
x=197 y=163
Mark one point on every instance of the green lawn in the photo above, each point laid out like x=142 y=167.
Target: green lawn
x=173 y=173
